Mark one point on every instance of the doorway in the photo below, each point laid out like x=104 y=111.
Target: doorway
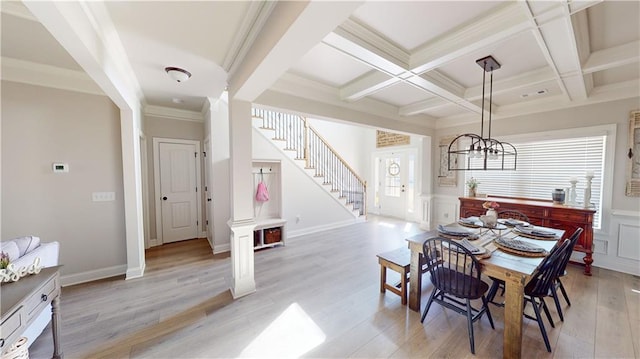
x=395 y=176
x=177 y=188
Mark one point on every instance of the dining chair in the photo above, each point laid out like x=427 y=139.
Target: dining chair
x=562 y=271
x=513 y=214
x=541 y=285
x=456 y=278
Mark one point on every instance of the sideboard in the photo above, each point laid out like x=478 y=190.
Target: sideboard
x=543 y=213
x=22 y=301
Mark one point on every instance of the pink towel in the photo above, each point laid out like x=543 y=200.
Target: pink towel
x=262 y=195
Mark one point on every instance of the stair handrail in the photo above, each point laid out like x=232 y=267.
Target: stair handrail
x=261 y=113
x=335 y=153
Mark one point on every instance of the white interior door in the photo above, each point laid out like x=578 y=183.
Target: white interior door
x=396 y=184
x=178 y=191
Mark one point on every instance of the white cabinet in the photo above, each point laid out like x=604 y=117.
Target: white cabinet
x=270 y=226
x=269 y=233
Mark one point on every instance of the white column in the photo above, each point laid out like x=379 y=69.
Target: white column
x=242 y=222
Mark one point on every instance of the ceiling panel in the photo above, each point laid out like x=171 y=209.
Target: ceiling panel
x=203 y=28
x=618 y=74
x=528 y=93
x=447 y=111
x=329 y=66
x=411 y=24
x=613 y=23
x=401 y=94
x=516 y=55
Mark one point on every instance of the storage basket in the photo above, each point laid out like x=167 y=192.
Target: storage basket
x=272 y=235
x=19 y=350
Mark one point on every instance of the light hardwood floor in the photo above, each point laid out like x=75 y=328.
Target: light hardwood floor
x=318 y=297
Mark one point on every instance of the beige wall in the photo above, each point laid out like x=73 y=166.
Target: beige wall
x=616 y=112
x=158 y=127
x=45 y=125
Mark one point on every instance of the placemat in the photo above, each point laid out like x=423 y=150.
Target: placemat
x=520 y=248
x=529 y=235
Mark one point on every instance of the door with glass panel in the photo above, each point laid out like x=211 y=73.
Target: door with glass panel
x=395 y=190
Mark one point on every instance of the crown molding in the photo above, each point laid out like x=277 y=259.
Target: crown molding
x=15 y=8
x=375 y=42
x=48 y=76
x=252 y=23
x=173 y=113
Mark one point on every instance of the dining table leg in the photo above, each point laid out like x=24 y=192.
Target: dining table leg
x=513 y=308
x=415 y=278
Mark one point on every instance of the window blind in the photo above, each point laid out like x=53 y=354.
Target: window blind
x=545 y=165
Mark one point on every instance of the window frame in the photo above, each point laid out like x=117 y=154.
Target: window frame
x=609 y=131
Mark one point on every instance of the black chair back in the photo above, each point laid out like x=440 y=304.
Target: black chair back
x=453 y=268
x=567 y=255
x=543 y=279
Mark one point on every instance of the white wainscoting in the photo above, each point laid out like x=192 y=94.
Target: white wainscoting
x=442 y=210
x=619 y=250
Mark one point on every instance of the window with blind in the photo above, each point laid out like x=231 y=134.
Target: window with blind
x=544 y=165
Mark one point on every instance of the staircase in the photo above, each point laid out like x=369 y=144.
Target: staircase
x=300 y=142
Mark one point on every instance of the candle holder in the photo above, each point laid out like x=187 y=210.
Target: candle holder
x=572 y=191
x=587 y=191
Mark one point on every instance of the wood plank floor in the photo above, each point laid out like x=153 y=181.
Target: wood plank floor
x=318 y=297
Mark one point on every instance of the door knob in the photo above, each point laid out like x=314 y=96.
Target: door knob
x=208 y=199
x=164 y=198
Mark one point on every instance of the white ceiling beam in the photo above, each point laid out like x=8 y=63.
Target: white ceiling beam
x=250 y=27
x=497 y=25
x=95 y=48
x=295 y=28
x=371 y=82
x=49 y=76
x=367 y=47
x=612 y=57
x=422 y=106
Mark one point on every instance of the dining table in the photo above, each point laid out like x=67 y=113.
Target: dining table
x=514 y=269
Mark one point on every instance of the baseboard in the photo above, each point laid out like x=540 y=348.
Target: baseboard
x=154 y=242
x=135 y=272
x=324 y=227
x=67 y=280
x=617 y=267
x=221 y=248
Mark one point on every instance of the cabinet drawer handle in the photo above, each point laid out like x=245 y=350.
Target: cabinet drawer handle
x=44 y=297
x=1 y=342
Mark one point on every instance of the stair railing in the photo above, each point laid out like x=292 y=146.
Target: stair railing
x=318 y=155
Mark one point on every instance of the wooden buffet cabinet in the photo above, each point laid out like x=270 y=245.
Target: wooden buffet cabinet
x=543 y=213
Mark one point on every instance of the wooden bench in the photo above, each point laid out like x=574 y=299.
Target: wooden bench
x=397 y=260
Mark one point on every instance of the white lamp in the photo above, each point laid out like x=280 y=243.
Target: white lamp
x=178 y=74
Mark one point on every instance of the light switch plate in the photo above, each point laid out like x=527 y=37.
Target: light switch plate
x=103 y=196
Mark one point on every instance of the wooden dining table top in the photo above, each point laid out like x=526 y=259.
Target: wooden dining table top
x=499 y=258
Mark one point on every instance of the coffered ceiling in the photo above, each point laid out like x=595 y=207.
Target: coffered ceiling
x=412 y=62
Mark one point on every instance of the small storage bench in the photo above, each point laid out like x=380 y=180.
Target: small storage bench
x=397 y=260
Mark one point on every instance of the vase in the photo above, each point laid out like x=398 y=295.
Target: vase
x=472 y=192
x=490 y=219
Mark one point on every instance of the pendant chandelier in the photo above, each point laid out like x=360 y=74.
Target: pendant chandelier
x=482 y=153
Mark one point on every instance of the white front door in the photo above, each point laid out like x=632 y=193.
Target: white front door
x=178 y=191
x=396 y=184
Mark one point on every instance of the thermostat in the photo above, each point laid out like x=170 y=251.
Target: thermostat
x=60 y=167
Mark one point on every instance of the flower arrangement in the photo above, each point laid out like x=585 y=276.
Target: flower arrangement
x=490 y=205
x=472 y=183
x=4 y=260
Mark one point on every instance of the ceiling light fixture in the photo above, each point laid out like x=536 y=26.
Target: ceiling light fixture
x=482 y=153
x=178 y=74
